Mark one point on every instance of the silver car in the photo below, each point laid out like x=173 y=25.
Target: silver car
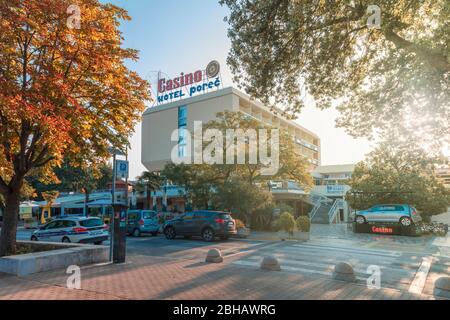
x=404 y=214
x=73 y=229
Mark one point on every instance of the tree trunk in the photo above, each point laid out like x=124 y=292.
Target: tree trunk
x=9 y=227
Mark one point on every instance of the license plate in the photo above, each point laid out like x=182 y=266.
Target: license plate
x=95 y=232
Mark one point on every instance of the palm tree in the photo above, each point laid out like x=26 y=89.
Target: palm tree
x=149 y=182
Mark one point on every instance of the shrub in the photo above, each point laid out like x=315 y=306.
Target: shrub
x=282 y=207
x=239 y=224
x=262 y=218
x=303 y=223
x=286 y=222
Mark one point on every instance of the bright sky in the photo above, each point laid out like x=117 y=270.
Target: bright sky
x=182 y=36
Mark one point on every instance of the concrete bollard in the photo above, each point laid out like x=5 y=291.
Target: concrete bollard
x=270 y=263
x=214 y=256
x=344 y=272
x=442 y=287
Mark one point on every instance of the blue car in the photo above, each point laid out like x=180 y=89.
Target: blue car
x=141 y=222
x=404 y=214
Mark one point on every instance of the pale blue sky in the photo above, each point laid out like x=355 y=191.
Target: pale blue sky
x=178 y=35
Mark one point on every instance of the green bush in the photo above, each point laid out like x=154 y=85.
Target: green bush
x=282 y=207
x=261 y=218
x=239 y=224
x=303 y=224
x=286 y=222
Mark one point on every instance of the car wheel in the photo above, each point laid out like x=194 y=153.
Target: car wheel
x=405 y=221
x=360 y=220
x=136 y=233
x=170 y=233
x=65 y=240
x=208 y=235
x=34 y=238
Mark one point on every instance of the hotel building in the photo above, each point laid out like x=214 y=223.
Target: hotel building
x=160 y=121
x=444 y=175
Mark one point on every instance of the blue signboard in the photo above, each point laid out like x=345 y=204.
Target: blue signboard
x=339 y=188
x=122 y=168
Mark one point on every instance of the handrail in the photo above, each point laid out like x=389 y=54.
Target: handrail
x=333 y=210
x=313 y=212
x=317 y=199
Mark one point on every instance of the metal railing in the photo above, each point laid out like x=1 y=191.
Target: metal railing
x=317 y=199
x=338 y=204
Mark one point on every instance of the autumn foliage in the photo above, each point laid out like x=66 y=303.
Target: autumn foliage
x=65 y=92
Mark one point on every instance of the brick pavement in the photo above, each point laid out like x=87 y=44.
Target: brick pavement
x=145 y=277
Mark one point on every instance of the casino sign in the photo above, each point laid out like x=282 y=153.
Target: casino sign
x=190 y=84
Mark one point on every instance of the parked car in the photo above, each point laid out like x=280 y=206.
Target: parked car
x=141 y=222
x=73 y=229
x=207 y=224
x=405 y=214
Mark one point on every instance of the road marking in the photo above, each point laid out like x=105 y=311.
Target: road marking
x=387 y=253
x=292 y=269
x=252 y=250
x=418 y=283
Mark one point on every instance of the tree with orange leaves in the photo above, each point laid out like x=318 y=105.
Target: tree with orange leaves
x=65 y=92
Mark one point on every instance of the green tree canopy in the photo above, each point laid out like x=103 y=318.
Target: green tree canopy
x=149 y=182
x=240 y=198
x=202 y=181
x=397 y=75
x=77 y=179
x=399 y=172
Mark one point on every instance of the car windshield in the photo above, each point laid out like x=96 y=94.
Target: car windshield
x=225 y=216
x=89 y=223
x=148 y=215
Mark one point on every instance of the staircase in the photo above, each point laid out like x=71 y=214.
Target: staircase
x=325 y=209
x=322 y=214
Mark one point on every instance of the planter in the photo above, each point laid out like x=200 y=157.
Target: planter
x=243 y=232
x=51 y=256
x=296 y=235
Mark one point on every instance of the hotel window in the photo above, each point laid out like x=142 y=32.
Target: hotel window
x=182 y=116
x=182 y=124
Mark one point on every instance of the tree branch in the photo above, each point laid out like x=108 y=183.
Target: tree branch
x=437 y=60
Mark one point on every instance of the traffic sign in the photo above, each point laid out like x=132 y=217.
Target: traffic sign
x=122 y=168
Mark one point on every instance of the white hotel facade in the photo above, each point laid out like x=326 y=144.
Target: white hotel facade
x=160 y=121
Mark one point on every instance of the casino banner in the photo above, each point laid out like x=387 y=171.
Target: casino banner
x=385 y=228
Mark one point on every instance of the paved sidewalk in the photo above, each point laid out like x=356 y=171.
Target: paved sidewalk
x=145 y=277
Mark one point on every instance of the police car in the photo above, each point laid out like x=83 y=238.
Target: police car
x=73 y=229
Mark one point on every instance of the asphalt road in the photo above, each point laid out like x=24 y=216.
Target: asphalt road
x=179 y=248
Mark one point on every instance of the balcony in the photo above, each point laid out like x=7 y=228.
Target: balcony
x=332 y=190
x=306 y=144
